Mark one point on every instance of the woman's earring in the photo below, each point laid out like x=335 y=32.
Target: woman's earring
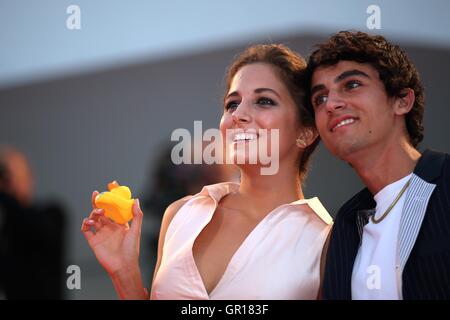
x=300 y=143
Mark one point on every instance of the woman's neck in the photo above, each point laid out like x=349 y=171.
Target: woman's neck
x=263 y=193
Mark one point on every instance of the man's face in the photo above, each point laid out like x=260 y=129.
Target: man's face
x=20 y=176
x=352 y=109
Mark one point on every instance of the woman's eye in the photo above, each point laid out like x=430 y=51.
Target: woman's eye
x=265 y=102
x=231 y=106
x=319 y=100
x=352 y=84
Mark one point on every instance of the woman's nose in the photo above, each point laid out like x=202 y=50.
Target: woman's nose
x=241 y=113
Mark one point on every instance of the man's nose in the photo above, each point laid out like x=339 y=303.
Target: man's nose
x=334 y=102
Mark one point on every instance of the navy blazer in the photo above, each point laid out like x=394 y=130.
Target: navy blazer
x=424 y=235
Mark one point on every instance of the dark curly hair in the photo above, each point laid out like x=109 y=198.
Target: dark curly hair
x=291 y=69
x=395 y=70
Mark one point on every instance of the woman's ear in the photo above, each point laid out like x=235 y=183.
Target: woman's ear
x=306 y=137
x=404 y=101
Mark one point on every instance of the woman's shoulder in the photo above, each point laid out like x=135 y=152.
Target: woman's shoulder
x=174 y=207
x=314 y=209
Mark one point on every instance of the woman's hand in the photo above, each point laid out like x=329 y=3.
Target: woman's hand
x=116 y=246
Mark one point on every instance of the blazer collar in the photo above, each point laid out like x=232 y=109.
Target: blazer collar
x=428 y=168
x=430 y=165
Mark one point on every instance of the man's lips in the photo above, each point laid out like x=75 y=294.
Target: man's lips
x=341 y=121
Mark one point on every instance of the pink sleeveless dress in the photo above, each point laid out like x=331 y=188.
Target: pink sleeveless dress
x=280 y=258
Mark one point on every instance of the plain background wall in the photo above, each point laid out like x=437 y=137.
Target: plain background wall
x=37 y=44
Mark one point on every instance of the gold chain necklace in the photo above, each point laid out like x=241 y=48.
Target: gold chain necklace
x=392 y=204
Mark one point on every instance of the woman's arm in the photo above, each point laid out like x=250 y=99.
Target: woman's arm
x=128 y=285
x=323 y=260
x=116 y=247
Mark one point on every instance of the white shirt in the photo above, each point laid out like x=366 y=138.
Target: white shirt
x=376 y=271
x=280 y=258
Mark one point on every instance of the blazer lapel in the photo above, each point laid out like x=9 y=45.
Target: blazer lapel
x=362 y=218
x=428 y=169
x=416 y=203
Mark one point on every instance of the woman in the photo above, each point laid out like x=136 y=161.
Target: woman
x=257 y=239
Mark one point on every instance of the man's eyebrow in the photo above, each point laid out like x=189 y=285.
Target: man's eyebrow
x=316 y=88
x=350 y=73
x=339 y=78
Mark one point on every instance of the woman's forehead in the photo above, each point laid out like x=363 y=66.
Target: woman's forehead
x=256 y=75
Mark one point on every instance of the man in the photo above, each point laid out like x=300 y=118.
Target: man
x=31 y=235
x=392 y=239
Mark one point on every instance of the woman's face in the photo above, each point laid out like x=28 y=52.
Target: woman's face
x=259 y=99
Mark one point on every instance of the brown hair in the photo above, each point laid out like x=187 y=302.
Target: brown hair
x=394 y=67
x=291 y=69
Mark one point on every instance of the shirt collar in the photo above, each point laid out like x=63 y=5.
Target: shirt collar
x=220 y=190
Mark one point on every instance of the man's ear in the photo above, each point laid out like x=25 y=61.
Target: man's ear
x=404 y=101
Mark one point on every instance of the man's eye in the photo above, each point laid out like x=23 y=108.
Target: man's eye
x=319 y=100
x=231 y=106
x=352 y=84
x=265 y=101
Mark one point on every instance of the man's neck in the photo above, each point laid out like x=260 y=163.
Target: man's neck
x=379 y=168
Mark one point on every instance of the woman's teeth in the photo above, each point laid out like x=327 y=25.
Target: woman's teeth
x=244 y=136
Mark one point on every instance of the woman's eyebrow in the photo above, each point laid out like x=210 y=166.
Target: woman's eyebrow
x=232 y=94
x=259 y=90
